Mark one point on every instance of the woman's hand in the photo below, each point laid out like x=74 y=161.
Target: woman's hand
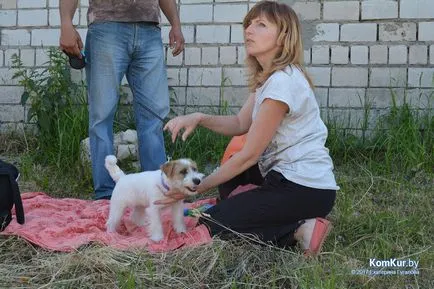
x=186 y=122
x=172 y=196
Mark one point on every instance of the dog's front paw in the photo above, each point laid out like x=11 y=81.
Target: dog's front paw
x=111 y=228
x=157 y=237
x=180 y=228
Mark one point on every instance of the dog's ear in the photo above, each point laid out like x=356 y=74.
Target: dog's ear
x=168 y=168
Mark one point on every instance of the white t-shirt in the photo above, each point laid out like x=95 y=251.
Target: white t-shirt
x=297 y=149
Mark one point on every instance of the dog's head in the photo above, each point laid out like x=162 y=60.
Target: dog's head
x=183 y=175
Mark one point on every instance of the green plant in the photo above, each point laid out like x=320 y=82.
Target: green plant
x=57 y=107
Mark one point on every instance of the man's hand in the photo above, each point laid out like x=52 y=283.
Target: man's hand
x=172 y=196
x=70 y=40
x=176 y=40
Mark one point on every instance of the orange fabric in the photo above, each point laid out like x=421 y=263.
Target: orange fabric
x=234 y=146
x=66 y=224
x=321 y=230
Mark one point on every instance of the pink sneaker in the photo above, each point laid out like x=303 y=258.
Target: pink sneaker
x=312 y=234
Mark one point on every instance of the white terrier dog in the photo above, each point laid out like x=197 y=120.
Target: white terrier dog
x=139 y=191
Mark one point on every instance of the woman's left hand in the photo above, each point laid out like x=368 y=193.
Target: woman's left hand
x=172 y=196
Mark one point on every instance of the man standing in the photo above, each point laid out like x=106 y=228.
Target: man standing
x=123 y=38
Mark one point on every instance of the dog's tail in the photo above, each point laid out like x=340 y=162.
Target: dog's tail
x=114 y=170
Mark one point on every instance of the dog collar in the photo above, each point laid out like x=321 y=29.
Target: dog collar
x=163 y=183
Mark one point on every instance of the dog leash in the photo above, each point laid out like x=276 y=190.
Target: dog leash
x=169 y=156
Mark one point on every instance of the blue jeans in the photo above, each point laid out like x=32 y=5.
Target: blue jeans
x=115 y=49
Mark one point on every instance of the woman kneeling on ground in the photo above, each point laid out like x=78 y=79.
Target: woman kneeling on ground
x=285 y=149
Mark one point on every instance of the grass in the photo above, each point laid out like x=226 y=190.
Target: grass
x=378 y=214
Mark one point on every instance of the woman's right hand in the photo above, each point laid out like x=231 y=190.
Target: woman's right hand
x=187 y=122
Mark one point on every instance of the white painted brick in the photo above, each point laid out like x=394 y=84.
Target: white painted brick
x=183 y=76
x=27 y=57
x=84 y=3
x=13 y=113
x=320 y=75
x=210 y=55
x=378 y=54
x=341 y=10
x=346 y=97
x=306 y=56
x=388 y=77
x=179 y=93
x=9 y=55
x=379 y=9
x=192 y=56
x=398 y=54
x=204 y=76
x=340 y=54
x=42 y=57
x=397 y=31
x=359 y=54
x=83 y=16
x=416 y=9
x=234 y=76
x=382 y=97
x=31 y=3
x=431 y=54
x=418 y=54
x=320 y=54
x=327 y=32
x=203 y=96
x=1 y=57
x=15 y=37
x=235 y=96
x=188 y=33
x=420 y=98
x=228 y=55
x=34 y=17
x=165 y=34
x=54 y=17
x=8 y=18
x=53 y=3
x=420 y=77
x=237 y=35
x=346 y=117
x=45 y=37
x=350 y=76
x=11 y=94
x=174 y=60
x=229 y=12
x=321 y=96
x=196 y=13
x=173 y=76
x=212 y=34
x=241 y=54
x=6 y=74
x=426 y=31
x=307 y=10
x=8 y=4
x=198 y=1
x=359 y=32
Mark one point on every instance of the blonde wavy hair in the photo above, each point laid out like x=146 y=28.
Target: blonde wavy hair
x=289 y=36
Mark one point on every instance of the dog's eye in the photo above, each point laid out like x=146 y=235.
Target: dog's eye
x=183 y=172
x=194 y=169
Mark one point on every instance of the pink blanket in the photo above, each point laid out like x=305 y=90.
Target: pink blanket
x=66 y=224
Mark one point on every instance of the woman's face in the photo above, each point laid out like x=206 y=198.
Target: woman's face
x=261 y=39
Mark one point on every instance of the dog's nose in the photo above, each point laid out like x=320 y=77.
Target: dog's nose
x=196 y=181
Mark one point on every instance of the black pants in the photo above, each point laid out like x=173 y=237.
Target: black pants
x=272 y=212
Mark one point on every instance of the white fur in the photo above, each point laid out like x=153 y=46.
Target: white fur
x=139 y=191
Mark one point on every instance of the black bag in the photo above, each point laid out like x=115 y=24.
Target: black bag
x=9 y=195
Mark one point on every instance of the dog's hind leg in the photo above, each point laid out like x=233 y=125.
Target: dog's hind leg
x=139 y=215
x=155 y=226
x=115 y=215
x=178 y=217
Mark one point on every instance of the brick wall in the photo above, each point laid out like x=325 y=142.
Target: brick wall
x=354 y=50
